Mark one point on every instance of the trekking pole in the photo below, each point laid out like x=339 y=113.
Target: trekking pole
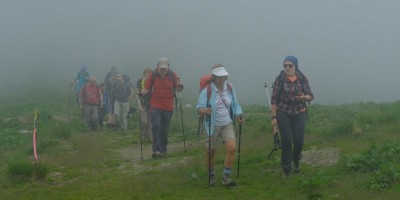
x=183 y=126
x=269 y=101
x=34 y=137
x=277 y=142
x=69 y=98
x=199 y=128
x=140 y=134
x=240 y=134
x=209 y=151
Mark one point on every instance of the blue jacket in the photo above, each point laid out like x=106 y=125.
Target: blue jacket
x=202 y=103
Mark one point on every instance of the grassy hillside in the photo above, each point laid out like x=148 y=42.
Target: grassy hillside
x=351 y=152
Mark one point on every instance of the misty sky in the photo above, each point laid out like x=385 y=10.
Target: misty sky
x=348 y=49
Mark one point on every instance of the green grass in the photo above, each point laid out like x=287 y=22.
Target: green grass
x=79 y=164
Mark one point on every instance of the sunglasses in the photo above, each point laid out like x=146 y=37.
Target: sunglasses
x=288 y=66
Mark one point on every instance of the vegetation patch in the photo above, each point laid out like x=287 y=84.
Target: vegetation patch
x=382 y=162
x=23 y=172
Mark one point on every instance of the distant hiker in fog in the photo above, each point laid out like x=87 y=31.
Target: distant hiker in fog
x=143 y=106
x=162 y=84
x=220 y=107
x=110 y=77
x=291 y=91
x=120 y=96
x=90 y=99
x=104 y=110
x=81 y=79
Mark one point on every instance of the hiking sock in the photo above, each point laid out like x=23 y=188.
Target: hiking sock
x=211 y=172
x=227 y=181
x=227 y=171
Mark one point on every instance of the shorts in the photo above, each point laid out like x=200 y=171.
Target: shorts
x=226 y=132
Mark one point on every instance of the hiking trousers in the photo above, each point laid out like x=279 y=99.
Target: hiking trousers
x=91 y=114
x=121 y=110
x=292 y=137
x=160 y=120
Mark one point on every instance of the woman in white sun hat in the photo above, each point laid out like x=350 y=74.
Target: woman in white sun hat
x=220 y=106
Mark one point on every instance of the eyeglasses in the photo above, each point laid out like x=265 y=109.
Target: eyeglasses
x=288 y=66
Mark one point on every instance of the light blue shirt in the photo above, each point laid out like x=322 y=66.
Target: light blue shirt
x=202 y=103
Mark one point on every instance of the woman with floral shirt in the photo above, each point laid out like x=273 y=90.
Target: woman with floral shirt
x=291 y=91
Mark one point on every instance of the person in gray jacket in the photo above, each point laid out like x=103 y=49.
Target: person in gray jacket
x=120 y=96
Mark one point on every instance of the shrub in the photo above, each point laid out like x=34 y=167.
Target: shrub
x=23 y=172
x=381 y=161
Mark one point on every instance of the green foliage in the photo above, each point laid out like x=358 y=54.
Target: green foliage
x=23 y=172
x=314 y=185
x=341 y=128
x=381 y=161
x=108 y=165
x=62 y=131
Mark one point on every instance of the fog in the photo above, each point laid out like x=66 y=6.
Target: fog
x=348 y=49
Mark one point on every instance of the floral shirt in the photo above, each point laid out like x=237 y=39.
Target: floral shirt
x=286 y=101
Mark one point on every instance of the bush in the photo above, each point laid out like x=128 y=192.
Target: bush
x=24 y=172
x=382 y=162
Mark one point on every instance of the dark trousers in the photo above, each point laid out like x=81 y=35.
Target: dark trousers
x=292 y=137
x=160 y=120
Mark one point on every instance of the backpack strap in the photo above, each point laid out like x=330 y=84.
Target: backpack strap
x=170 y=75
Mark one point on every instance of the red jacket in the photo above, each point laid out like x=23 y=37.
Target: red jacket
x=162 y=92
x=90 y=94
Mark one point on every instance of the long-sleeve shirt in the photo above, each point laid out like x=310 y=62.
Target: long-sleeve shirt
x=286 y=101
x=213 y=102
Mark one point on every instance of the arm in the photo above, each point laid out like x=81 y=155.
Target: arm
x=201 y=106
x=147 y=84
x=237 y=108
x=178 y=82
x=274 y=100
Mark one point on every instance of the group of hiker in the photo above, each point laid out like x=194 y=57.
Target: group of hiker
x=218 y=107
x=105 y=105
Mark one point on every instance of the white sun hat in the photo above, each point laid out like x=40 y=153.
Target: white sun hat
x=219 y=71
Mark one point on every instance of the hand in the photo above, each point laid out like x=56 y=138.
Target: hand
x=240 y=119
x=179 y=88
x=274 y=123
x=300 y=96
x=207 y=111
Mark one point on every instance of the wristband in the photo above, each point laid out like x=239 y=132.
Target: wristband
x=273 y=117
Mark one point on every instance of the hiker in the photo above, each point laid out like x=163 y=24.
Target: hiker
x=109 y=79
x=120 y=97
x=219 y=104
x=81 y=79
x=161 y=84
x=90 y=98
x=143 y=108
x=290 y=93
x=104 y=111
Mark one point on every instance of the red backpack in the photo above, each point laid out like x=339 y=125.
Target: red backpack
x=205 y=82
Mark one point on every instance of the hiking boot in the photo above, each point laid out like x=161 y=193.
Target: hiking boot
x=212 y=180
x=296 y=164
x=286 y=175
x=227 y=181
x=296 y=167
x=156 y=154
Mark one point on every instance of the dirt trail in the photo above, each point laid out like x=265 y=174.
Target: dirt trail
x=132 y=156
x=321 y=157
